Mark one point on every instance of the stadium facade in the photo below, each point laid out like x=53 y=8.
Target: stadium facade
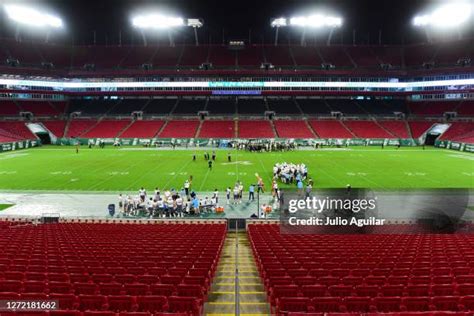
x=367 y=95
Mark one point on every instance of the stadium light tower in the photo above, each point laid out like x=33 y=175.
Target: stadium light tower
x=444 y=18
x=159 y=22
x=33 y=18
x=195 y=24
x=316 y=21
x=277 y=23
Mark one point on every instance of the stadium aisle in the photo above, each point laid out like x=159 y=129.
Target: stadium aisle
x=222 y=295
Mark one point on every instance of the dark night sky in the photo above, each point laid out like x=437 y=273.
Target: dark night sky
x=235 y=18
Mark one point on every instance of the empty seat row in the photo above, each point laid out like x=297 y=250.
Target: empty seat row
x=153 y=287
x=354 y=272
x=114 y=267
x=286 y=305
x=319 y=290
x=115 y=303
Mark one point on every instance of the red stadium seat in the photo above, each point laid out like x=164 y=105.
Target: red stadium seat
x=314 y=290
x=367 y=290
x=285 y=305
x=6 y=296
x=418 y=290
x=352 y=280
x=34 y=296
x=147 y=279
x=34 y=287
x=327 y=304
x=184 y=304
x=102 y=278
x=10 y=286
x=152 y=303
x=307 y=280
x=110 y=288
x=59 y=287
x=466 y=303
x=124 y=278
x=136 y=289
x=392 y=290
x=78 y=277
x=199 y=280
x=85 y=288
x=65 y=301
x=446 y=303
x=416 y=304
x=358 y=304
x=35 y=276
x=121 y=303
x=193 y=290
x=387 y=304
x=279 y=291
x=162 y=289
x=92 y=302
x=58 y=277
x=14 y=275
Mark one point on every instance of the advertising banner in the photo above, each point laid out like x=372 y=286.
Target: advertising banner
x=19 y=145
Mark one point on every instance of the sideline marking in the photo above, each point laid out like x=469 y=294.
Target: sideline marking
x=238 y=162
x=7 y=172
x=11 y=156
x=468 y=157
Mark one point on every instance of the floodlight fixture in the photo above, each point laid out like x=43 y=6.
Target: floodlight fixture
x=156 y=21
x=279 y=22
x=195 y=23
x=316 y=21
x=445 y=16
x=32 y=17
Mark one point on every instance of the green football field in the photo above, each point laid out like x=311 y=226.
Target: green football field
x=53 y=168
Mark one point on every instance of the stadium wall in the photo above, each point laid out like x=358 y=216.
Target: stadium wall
x=24 y=144
x=455 y=145
x=203 y=142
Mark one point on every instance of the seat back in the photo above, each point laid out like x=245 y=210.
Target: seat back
x=293 y=304
x=183 y=304
x=152 y=303
x=327 y=304
x=92 y=302
x=387 y=304
x=120 y=303
x=416 y=304
x=316 y=290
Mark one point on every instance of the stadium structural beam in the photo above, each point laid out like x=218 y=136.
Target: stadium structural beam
x=328 y=43
x=303 y=38
x=170 y=38
x=277 y=23
x=145 y=43
x=196 y=39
